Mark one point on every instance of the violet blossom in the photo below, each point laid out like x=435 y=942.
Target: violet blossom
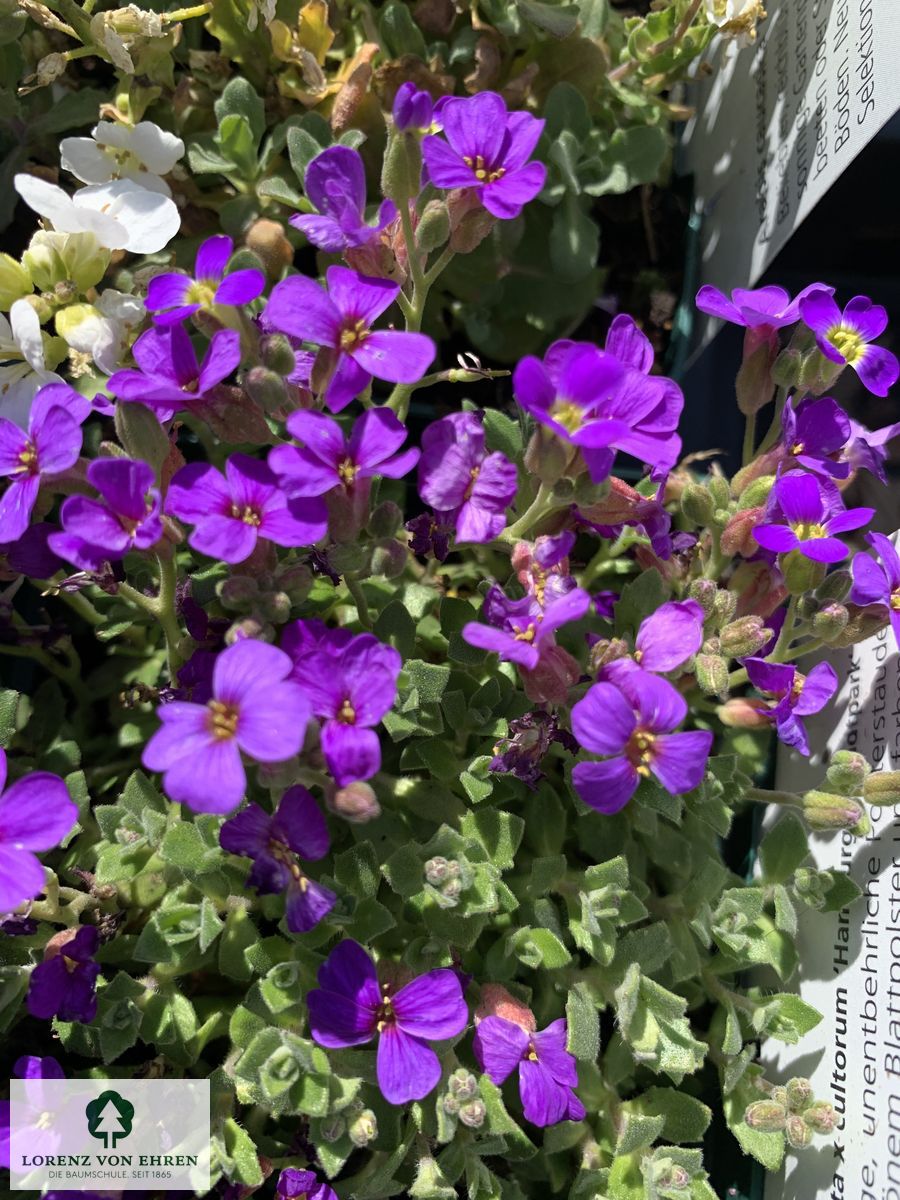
x=296 y=1184
x=527 y=742
x=457 y=475
x=169 y=377
x=326 y=459
x=340 y=320
x=866 y=448
x=64 y=984
x=36 y=813
x=174 y=296
x=275 y=842
x=335 y=182
x=349 y=1008
x=412 y=108
x=548 y=1073
x=805 y=514
x=488 y=149
x=665 y=641
x=30 y=1066
x=846 y=337
x=796 y=696
x=632 y=724
x=231 y=512
x=127 y=517
x=255 y=709
x=520 y=630
x=430 y=534
x=752 y=308
x=878 y=582
x=543 y=569
x=51 y=445
x=813 y=435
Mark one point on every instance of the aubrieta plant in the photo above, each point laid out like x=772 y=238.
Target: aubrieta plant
x=378 y=766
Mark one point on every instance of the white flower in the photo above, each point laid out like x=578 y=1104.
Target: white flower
x=101 y=330
x=736 y=18
x=142 y=153
x=22 y=369
x=121 y=215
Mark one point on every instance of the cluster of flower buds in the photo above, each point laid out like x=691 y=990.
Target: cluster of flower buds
x=791 y=1109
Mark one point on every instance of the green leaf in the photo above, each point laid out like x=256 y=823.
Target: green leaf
x=565 y=110
x=9 y=707
x=499 y=832
x=639 y=598
x=239 y=99
x=637 y=1132
x=557 y=19
x=653 y=1023
x=396 y=627
x=539 y=948
x=574 y=240
x=594 y=17
x=428 y=679
x=582 y=1023
x=783 y=849
x=767 y=1148
x=241 y=1150
x=235 y=141
x=400 y=33
x=686 y=1118
x=357 y=870
x=504 y=434
x=404 y=871
x=841 y=893
x=276 y=187
x=787 y=1017
x=302 y=149
x=499 y=1121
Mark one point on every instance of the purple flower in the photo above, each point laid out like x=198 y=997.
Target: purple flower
x=29 y=1066
x=231 y=512
x=665 y=640
x=487 y=148
x=878 y=583
x=254 y=708
x=527 y=741
x=865 y=449
x=520 y=629
x=349 y=1008
x=169 y=377
x=413 y=109
x=632 y=724
x=351 y=685
x=51 y=445
x=327 y=459
x=754 y=307
x=274 y=843
x=430 y=533
x=183 y=295
x=126 y=518
x=543 y=569
x=458 y=475
x=294 y=1184
x=63 y=985
x=845 y=337
x=36 y=813
x=548 y=1073
x=805 y=514
x=813 y=435
x=341 y=320
x=335 y=182
x=797 y=695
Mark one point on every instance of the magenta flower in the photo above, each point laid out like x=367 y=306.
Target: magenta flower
x=341 y=321
x=349 y=1008
x=231 y=512
x=520 y=629
x=30 y=1066
x=813 y=435
x=127 y=517
x=797 y=696
x=297 y=830
x=632 y=724
x=878 y=583
x=294 y=1184
x=543 y=568
x=335 y=182
x=845 y=337
x=327 y=459
x=351 y=684
x=412 y=109
x=457 y=475
x=183 y=295
x=255 y=709
x=51 y=445
x=169 y=376
x=755 y=307
x=430 y=534
x=36 y=813
x=487 y=148
x=667 y=638
x=805 y=514
x=548 y=1074
x=64 y=985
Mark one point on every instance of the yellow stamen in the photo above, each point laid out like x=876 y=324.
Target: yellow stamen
x=483 y=173
x=222 y=720
x=28 y=459
x=201 y=292
x=640 y=751
x=567 y=414
x=347 y=471
x=246 y=514
x=347 y=713
x=847 y=342
x=808 y=531
x=525 y=635
x=353 y=336
x=895 y=600
x=798 y=448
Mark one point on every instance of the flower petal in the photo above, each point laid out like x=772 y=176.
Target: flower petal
x=432 y=1006
x=301 y=824
x=499 y=1046
x=302 y=308
x=679 y=759
x=37 y=812
x=603 y=720
x=395 y=356
x=407 y=1069
x=212 y=258
x=351 y=753
x=606 y=786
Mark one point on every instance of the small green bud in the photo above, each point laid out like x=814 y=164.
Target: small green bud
x=436 y=870
x=712 y=674
x=453 y=869
x=810 y=886
x=605 y=651
x=266 y=388
x=818 y=373
x=768 y=1116
x=863 y=827
x=799 y=1094
x=835 y=587
x=277 y=354
x=546 y=456
x=450 y=1105
x=275 y=607
x=757 y=493
x=462 y=1083
x=347 y=558
x=402 y=168
x=778 y=1093
x=473 y=1113
x=820 y=1117
x=743 y=637
x=139 y=431
x=250 y=627
x=386 y=520
x=697 y=504
x=356 y=803
x=824 y=810
x=830 y=622
x=434 y=226
x=15 y=281
x=797 y=1132
x=754 y=384
x=296 y=581
x=451 y=891
x=52 y=258
x=389 y=558
x=668 y=1176
x=719 y=491
x=724 y=606
x=564 y=490
x=801 y=574
x=847 y=773
x=238 y=593
x=704 y=592
x=364 y=1128
x=882 y=788
x=786 y=368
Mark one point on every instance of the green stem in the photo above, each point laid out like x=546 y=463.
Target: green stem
x=77 y=18
x=162 y=609
x=65 y=674
x=359 y=599
x=185 y=14
x=539 y=507
x=787 y=632
x=420 y=288
x=774 y=429
x=439 y=266
x=765 y=796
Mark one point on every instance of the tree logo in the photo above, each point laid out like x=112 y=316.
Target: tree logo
x=109 y=1117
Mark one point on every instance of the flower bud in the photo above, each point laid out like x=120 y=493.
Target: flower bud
x=15 y=281
x=863 y=827
x=741 y=713
x=724 y=606
x=882 y=788
x=550 y=680
x=820 y=1117
x=277 y=354
x=778 y=1093
x=275 y=607
x=737 y=536
x=266 y=239
x=348 y=511
x=250 y=627
x=356 y=803
x=434 y=226
x=799 y=1094
x=142 y=436
x=667 y=1176
x=719 y=490
x=266 y=388
x=238 y=593
x=450 y=1105
x=473 y=1113
x=546 y=456
x=864 y=621
x=835 y=587
x=768 y=1116
x=712 y=674
x=436 y=870
x=797 y=1132
x=830 y=622
x=697 y=504
x=756 y=494
x=295 y=581
x=824 y=810
x=54 y=258
x=704 y=592
x=451 y=891
x=744 y=636
x=363 y=1129
x=818 y=373
x=462 y=1083
x=847 y=773
x=386 y=520
x=496 y=1001
x=810 y=885
x=754 y=384
x=389 y=558
x=605 y=651
x=401 y=171
x=801 y=574
x=786 y=368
